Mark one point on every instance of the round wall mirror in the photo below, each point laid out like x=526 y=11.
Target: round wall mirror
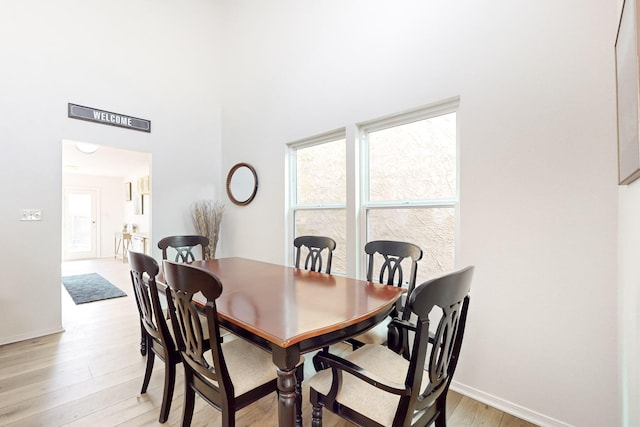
x=242 y=184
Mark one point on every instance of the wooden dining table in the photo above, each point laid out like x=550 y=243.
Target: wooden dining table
x=289 y=311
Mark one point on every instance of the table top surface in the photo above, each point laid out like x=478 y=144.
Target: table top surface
x=286 y=305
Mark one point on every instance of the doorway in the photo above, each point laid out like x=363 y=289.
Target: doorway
x=95 y=205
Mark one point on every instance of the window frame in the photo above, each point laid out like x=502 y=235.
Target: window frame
x=357 y=205
x=365 y=205
x=293 y=205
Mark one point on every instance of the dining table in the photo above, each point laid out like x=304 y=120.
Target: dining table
x=290 y=311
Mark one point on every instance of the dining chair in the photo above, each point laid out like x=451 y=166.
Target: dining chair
x=228 y=375
x=385 y=388
x=390 y=258
x=155 y=331
x=183 y=247
x=314 y=246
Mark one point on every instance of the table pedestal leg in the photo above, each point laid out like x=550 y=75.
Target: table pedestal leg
x=286 y=398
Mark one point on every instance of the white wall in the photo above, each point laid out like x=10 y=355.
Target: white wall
x=157 y=61
x=538 y=213
x=629 y=294
x=629 y=297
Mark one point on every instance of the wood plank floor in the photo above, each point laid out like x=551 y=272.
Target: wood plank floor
x=91 y=374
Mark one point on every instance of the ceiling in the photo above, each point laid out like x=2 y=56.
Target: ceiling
x=106 y=161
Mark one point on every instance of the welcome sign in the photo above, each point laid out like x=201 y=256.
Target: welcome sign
x=108 y=118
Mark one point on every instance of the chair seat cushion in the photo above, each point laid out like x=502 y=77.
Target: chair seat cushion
x=377 y=334
x=249 y=366
x=359 y=395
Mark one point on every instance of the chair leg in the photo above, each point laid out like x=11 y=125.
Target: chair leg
x=189 y=400
x=316 y=416
x=441 y=404
x=147 y=373
x=299 y=379
x=441 y=420
x=228 y=417
x=167 y=394
x=143 y=340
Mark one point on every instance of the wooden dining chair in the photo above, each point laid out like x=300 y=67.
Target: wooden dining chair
x=314 y=246
x=391 y=259
x=183 y=247
x=228 y=376
x=385 y=388
x=155 y=331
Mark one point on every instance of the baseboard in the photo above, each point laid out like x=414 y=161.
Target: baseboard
x=507 y=407
x=31 y=335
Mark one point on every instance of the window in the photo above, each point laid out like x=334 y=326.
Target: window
x=409 y=184
x=406 y=174
x=318 y=197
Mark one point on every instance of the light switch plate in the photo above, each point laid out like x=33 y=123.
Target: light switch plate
x=31 y=215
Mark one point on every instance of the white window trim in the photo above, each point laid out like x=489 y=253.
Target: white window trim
x=292 y=204
x=356 y=167
x=447 y=106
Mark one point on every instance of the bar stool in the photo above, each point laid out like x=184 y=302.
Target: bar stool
x=122 y=240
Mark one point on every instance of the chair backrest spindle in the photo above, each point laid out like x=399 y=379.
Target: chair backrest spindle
x=183 y=247
x=315 y=246
x=390 y=256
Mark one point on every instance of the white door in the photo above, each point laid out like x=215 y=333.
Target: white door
x=79 y=228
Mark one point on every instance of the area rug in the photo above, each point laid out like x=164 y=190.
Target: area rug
x=91 y=287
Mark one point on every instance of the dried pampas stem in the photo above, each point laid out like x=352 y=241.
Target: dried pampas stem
x=207 y=216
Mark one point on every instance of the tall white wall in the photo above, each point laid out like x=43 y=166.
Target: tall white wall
x=629 y=298
x=538 y=213
x=629 y=294
x=157 y=61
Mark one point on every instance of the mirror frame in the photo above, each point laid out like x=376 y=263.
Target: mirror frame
x=231 y=196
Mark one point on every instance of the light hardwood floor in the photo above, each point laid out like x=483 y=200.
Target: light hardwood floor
x=91 y=374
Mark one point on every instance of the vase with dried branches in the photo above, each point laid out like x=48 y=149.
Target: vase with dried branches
x=207 y=215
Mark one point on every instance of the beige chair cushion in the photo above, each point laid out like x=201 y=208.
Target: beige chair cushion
x=379 y=333
x=249 y=366
x=375 y=335
x=362 y=397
